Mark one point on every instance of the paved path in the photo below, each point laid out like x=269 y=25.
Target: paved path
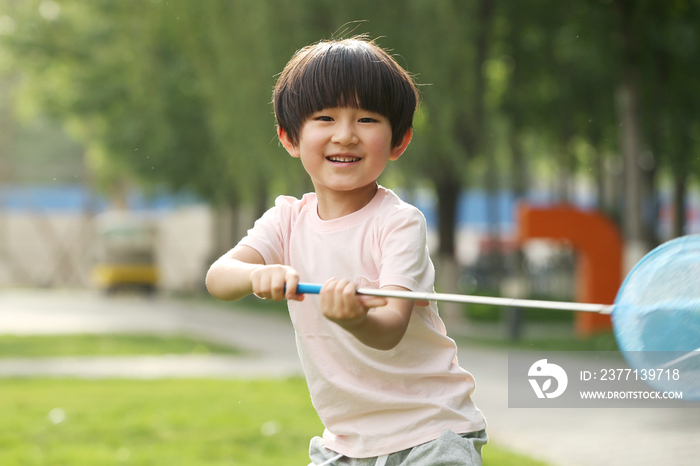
x=563 y=437
x=267 y=339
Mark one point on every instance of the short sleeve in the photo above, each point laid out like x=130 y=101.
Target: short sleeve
x=405 y=257
x=269 y=233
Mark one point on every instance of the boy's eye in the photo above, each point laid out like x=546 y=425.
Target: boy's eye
x=323 y=118
x=367 y=120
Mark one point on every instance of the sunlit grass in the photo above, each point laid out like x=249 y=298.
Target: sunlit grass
x=157 y=422
x=104 y=345
x=173 y=422
x=493 y=455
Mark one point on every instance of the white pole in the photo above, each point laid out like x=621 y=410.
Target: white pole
x=509 y=302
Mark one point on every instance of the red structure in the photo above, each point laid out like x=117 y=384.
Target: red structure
x=598 y=244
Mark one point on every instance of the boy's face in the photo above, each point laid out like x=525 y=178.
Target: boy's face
x=345 y=149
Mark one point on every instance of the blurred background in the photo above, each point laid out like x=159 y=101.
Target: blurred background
x=137 y=140
x=555 y=144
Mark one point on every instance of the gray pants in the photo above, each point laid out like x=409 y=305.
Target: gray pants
x=449 y=449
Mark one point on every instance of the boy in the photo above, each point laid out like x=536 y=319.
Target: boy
x=382 y=374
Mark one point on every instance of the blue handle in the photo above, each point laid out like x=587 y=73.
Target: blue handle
x=308 y=288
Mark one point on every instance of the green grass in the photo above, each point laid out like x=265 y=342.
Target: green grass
x=104 y=345
x=489 y=313
x=173 y=422
x=248 y=303
x=602 y=342
x=53 y=422
x=493 y=455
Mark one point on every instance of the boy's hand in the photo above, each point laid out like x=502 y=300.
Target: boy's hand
x=269 y=282
x=341 y=304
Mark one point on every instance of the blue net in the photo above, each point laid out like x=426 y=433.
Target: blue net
x=656 y=317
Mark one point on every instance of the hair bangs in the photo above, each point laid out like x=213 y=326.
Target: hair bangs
x=348 y=73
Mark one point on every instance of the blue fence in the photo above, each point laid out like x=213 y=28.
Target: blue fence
x=74 y=198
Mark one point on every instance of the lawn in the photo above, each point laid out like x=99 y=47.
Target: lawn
x=173 y=422
x=189 y=422
x=104 y=345
x=72 y=422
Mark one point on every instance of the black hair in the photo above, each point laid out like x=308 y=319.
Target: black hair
x=354 y=73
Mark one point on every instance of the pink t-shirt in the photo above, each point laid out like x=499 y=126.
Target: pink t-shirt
x=372 y=402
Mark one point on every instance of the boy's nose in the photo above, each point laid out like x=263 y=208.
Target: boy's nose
x=345 y=134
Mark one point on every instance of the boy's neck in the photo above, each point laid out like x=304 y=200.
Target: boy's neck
x=337 y=204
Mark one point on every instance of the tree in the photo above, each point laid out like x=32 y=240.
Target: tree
x=177 y=93
x=671 y=96
x=589 y=70
x=101 y=68
x=181 y=111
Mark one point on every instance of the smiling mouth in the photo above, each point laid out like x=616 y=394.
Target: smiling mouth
x=343 y=159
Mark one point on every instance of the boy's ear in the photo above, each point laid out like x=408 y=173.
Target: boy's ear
x=401 y=146
x=292 y=148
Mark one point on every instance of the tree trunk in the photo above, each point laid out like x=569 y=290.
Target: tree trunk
x=628 y=109
x=7 y=128
x=469 y=129
x=514 y=317
x=448 y=188
x=680 y=187
x=628 y=106
x=601 y=192
x=7 y=133
x=225 y=227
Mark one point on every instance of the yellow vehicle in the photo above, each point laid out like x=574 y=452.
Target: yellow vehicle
x=126 y=245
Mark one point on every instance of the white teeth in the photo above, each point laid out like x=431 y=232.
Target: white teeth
x=343 y=159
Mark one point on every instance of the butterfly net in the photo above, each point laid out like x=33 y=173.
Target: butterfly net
x=656 y=317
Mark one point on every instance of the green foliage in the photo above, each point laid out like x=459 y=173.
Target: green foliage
x=41 y=152
x=488 y=313
x=177 y=92
x=189 y=111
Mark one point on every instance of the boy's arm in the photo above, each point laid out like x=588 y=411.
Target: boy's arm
x=379 y=323
x=242 y=271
